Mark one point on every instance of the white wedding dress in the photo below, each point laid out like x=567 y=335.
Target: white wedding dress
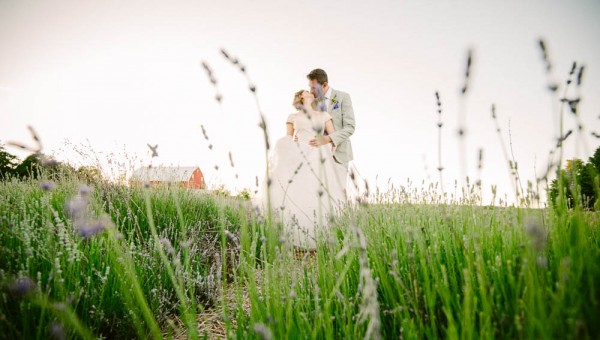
x=305 y=188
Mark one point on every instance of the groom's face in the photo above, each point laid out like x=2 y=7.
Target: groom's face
x=317 y=89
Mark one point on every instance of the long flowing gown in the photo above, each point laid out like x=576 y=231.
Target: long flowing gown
x=303 y=182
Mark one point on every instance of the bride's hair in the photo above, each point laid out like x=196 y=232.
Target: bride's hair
x=298 y=102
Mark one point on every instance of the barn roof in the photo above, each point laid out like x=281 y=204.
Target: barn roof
x=164 y=173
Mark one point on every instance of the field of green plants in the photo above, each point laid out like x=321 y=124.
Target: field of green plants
x=101 y=260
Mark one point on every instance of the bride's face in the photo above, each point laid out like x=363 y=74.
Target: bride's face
x=307 y=97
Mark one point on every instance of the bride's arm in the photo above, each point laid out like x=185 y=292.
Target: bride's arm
x=329 y=127
x=290 y=125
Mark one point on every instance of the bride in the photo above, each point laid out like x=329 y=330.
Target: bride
x=303 y=186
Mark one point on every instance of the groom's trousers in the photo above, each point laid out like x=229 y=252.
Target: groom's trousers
x=342 y=173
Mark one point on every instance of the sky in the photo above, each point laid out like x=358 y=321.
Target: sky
x=100 y=80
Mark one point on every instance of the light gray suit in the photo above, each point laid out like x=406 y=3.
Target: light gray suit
x=340 y=109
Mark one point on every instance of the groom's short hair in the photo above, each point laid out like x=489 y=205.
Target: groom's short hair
x=318 y=74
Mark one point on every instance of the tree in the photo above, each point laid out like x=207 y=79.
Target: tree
x=579 y=183
x=8 y=163
x=29 y=168
x=595 y=160
x=586 y=179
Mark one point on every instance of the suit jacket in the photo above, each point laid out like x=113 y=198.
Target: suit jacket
x=340 y=109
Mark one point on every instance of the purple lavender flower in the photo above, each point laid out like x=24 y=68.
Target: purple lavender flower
x=153 y=150
x=47 y=186
x=84 y=190
x=57 y=331
x=49 y=162
x=322 y=106
x=263 y=331
x=76 y=207
x=87 y=231
x=22 y=286
x=319 y=90
x=90 y=228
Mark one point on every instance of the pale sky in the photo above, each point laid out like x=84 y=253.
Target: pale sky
x=118 y=75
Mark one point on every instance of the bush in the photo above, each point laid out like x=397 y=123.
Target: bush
x=579 y=183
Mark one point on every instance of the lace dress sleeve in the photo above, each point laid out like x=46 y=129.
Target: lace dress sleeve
x=290 y=119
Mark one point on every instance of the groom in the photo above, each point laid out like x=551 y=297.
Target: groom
x=339 y=106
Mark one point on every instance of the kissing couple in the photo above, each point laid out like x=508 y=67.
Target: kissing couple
x=308 y=168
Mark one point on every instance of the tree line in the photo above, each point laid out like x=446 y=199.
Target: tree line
x=578 y=181
x=31 y=168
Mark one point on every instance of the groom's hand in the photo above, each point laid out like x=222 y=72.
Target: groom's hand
x=320 y=140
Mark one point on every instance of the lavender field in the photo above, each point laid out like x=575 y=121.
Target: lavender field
x=83 y=261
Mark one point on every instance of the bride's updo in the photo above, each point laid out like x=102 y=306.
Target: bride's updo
x=299 y=102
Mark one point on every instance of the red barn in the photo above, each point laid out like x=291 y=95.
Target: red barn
x=187 y=177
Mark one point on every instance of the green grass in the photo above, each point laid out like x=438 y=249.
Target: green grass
x=385 y=270
x=439 y=271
